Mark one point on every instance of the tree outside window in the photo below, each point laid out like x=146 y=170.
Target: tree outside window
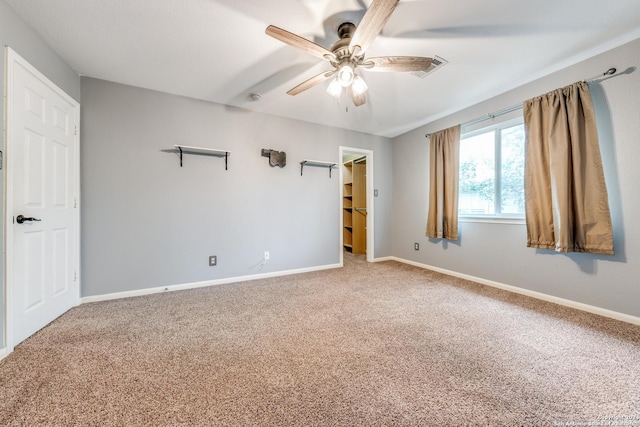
x=492 y=173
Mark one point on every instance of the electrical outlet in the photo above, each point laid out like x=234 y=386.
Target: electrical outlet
x=266 y=255
x=416 y=246
x=375 y=192
x=213 y=260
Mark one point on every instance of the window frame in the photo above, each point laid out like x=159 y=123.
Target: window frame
x=499 y=217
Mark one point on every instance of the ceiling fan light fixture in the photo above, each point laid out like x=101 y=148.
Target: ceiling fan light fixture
x=348 y=53
x=359 y=86
x=335 y=88
x=345 y=74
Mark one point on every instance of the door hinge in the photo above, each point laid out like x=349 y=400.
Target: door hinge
x=75 y=276
x=75 y=202
x=75 y=130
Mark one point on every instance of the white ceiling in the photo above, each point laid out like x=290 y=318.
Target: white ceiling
x=217 y=50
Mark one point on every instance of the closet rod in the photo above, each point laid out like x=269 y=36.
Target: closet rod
x=611 y=71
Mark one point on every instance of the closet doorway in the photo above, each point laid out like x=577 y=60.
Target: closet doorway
x=356 y=202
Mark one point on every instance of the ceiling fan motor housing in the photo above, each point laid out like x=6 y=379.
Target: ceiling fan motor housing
x=341 y=47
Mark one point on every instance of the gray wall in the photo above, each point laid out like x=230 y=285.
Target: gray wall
x=498 y=252
x=146 y=222
x=15 y=33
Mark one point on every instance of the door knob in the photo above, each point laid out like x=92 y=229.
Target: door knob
x=21 y=218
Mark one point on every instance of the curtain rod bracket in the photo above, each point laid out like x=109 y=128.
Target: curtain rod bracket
x=611 y=71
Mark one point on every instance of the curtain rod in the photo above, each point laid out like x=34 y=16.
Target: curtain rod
x=491 y=116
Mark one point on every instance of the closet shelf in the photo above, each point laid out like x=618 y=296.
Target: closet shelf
x=317 y=163
x=189 y=149
x=354 y=202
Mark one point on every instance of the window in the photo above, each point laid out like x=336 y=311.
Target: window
x=492 y=172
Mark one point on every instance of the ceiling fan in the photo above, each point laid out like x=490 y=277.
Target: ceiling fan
x=348 y=54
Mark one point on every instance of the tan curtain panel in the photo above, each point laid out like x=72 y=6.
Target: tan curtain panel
x=567 y=206
x=442 y=219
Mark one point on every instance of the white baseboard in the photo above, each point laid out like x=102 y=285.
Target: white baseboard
x=538 y=295
x=5 y=352
x=386 y=258
x=194 y=285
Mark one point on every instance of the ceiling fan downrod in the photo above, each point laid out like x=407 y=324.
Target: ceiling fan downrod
x=341 y=48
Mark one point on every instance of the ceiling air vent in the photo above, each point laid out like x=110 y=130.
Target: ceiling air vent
x=436 y=64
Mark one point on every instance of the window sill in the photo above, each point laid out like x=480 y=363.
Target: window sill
x=492 y=219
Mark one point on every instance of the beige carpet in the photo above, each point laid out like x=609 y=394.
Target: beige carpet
x=367 y=345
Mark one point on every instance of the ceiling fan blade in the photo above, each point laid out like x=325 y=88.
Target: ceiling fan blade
x=372 y=23
x=313 y=81
x=300 y=43
x=358 y=100
x=398 y=63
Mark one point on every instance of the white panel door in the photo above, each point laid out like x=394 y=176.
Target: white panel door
x=42 y=186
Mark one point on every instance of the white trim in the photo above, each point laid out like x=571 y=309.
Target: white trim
x=386 y=258
x=203 y=284
x=496 y=124
x=4 y=353
x=11 y=57
x=538 y=295
x=370 y=201
x=8 y=206
x=491 y=220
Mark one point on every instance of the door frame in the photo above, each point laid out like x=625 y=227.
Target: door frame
x=370 y=205
x=11 y=57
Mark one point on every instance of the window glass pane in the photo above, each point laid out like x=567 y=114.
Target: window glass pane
x=512 y=170
x=477 y=175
